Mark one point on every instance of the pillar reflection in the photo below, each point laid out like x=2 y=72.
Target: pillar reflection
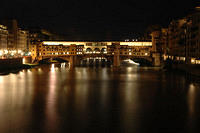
x=51 y=114
x=191 y=99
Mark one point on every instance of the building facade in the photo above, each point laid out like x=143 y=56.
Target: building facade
x=56 y=49
x=181 y=40
x=22 y=40
x=3 y=38
x=193 y=37
x=13 y=39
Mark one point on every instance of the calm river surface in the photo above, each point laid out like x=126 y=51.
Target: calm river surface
x=52 y=98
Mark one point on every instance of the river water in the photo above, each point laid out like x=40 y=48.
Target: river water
x=54 y=98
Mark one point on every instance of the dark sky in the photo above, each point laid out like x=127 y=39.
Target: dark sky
x=95 y=19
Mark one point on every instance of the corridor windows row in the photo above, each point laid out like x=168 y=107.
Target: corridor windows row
x=62 y=53
x=135 y=54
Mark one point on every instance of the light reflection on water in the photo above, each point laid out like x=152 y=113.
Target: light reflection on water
x=191 y=98
x=56 y=99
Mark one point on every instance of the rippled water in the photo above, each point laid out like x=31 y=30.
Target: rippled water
x=54 y=98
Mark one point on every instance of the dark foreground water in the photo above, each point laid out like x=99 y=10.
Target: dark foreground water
x=53 y=99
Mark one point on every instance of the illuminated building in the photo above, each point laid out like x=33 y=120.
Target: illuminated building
x=193 y=37
x=15 y=39
x=41 y=51
x=3 y=37
x=22 y=40
x=120 y=50
x=177 y=38
x=12 y=33
x=128 y=49
x=181 y=40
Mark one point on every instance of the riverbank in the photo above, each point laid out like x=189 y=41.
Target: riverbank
x=192 y=69
x=14 y=64
x=16 y=68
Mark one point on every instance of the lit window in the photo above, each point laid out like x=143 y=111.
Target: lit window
x=193 y=61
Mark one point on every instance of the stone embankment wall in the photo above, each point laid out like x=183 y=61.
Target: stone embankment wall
x=8 y=63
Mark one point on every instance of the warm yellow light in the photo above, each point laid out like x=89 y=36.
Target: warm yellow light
x=23 y=60
x=182 y=58
x=52 y=67
x=62 y=43
x=6 y=51
x=1 y=53
x=136 y=43
x=108 y=43
x=197 y=61
x=193 y=61
x=19 y=51
x=13 y=52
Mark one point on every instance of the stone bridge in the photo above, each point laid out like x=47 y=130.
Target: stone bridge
x=115 y=52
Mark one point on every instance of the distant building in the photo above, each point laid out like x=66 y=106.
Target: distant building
x=181 y=40
x=22 y=40
x=17 y=39
x=177 y=39
x=193 y=36
x=37 y=35
x=12 y=33
x=3 y=38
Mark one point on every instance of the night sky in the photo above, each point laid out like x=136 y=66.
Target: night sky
x=95 y=19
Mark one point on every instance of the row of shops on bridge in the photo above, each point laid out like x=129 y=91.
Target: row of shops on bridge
x=52 y=49
x=78 y=48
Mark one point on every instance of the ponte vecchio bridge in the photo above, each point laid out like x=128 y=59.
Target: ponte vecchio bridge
x=113 y=51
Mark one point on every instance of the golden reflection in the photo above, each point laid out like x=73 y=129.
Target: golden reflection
x=51 y=100
x=39 y=70
x=81 y=89
x=104 y=87
x=63 y=65
x=191 y=99
x=130 y=97
x=104 y=74
x=15 y=98
x=2 y=93
x=53 y=67
x=131 y=73
x=1 y=80
x=130 y=104
x=81 y=92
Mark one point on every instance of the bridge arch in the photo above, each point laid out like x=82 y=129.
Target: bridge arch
x=96 y=50
x=103 y=50
x=89 y=50
x=50 y=59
